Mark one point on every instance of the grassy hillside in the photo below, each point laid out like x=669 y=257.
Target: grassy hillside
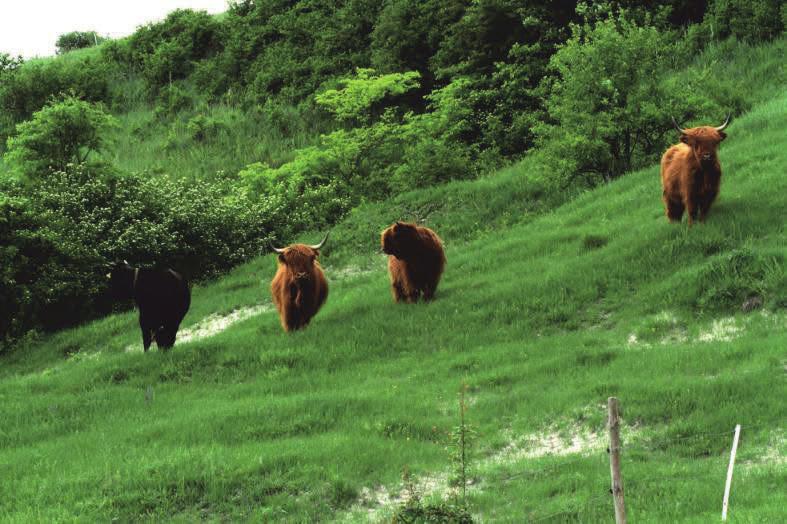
x=542 y=314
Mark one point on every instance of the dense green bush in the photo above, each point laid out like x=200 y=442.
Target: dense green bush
x=172 y=100
x=289 y=49
x=44 y=274
x=168 y=50
x=8 y=67
x=749 y=20
x=362 y=98
x=77 y=40
x=61 y=133
x=202 y=128
x=408 y=33
x=30 y=87
x=393 y=152
x=57 y=239
x=608 y=103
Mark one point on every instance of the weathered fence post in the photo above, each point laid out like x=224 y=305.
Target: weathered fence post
x=729 y=473
x=614 y=460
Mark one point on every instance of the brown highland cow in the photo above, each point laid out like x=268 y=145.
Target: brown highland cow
x=691 y=173
x=299 y=287
x=415 y=262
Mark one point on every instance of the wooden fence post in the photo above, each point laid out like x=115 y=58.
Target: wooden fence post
x=614 y=460
x=725 y=504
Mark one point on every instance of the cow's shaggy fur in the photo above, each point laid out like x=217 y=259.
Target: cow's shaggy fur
x=162 y=297
x=416 y=261
x=299 y=287
x=691 y=174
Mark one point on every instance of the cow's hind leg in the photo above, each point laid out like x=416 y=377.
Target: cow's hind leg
x=402 y=292
x=147 y=332
x=704 y=206
x=429 y=291
x=693 y=210
x=397 y=292
x=674 y=210
x=165 y=337
x=292 y=320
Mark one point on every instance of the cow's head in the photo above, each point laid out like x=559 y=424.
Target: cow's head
x=299 y=258
x=399 y=239
x=703 y=141
x=121 y=280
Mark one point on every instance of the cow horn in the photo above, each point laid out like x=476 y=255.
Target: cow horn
x=725 y=124
x=276 y=249
x=680 y=129
x=319 y=246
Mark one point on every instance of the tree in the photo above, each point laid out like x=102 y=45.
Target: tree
x=750 y=20
x=77 y=40
x=608 y=107
x=63 y=132
x=362 y=98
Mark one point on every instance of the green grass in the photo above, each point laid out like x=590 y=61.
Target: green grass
x=164 y=144
x=544 y=314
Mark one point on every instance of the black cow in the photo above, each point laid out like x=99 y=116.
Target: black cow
x=162 y=296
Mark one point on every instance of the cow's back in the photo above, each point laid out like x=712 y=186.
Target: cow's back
x=674 y=166
x=162 y=295
x=433 y=254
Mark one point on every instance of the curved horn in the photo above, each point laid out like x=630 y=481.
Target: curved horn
x=276 y=249
x=725 y=124
x=680 y=129
x=319 y=246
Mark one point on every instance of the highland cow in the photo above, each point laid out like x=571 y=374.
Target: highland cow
x=299 y=287
x=162 y=297
x=691 y=173
x=416 y=261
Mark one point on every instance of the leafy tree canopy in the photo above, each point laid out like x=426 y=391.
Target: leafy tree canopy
x=77 y=40
x=63 y=132
x=359 y=96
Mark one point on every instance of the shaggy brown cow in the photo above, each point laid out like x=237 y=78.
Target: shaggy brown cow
x=691 y=173
x=415 y=262
x=299 y=287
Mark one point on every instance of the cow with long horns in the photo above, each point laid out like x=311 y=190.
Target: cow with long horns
x=691 y=173
x=299 y=287
x=415 y=263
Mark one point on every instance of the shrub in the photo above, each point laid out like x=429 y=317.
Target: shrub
x=748 y=20
x=362 y=98
x=609 y=109
x=77 y=40
x=58 y=237
x=63 y=132
x=172 y=100
x=391 y=153
x=44 y=274
x=408 y=33
x=167 y=50
x=168 y=61
x=201 y=128
x=311 y=189
x=33 y=85
x=8 y=67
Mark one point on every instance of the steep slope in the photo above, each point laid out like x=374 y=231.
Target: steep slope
x=542 y=314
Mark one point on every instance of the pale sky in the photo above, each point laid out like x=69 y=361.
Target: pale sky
x=31 y=27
